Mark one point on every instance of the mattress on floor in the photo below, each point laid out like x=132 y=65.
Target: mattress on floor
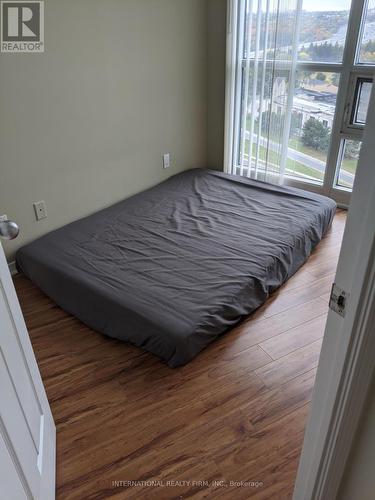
x=172 y=268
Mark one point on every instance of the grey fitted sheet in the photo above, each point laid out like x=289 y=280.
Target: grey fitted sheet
x=176 y=266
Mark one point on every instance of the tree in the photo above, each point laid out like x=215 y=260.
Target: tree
x=335 y=79
x=327 y=52
x=352 y=149
x=296 y=124
x=315 y=135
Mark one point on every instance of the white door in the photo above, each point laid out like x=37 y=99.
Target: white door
x=27 y=429
x=347 y=360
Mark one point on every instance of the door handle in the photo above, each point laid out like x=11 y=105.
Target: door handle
x=9 y=230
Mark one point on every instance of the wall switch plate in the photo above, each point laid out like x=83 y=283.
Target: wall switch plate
x=166 y=160
x=3 y=218
x=40 y=210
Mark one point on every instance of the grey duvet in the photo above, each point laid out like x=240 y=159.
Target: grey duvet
x=173 y=268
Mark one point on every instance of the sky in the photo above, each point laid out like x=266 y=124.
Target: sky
x=325 y=5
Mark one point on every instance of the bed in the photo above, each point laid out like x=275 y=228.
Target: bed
x=174 y=267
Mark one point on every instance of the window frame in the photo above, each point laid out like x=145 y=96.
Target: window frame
x=353 y=97
x=340 y=159
x=349 y=70
x=357 y=61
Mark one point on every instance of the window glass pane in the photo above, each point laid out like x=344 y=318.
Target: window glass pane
x=367 y=42
x=324 y=25
x=349 y=162
x=266 y=71
x=311 y=124
x=361 y=101
x=273 y=24
x=265 y=121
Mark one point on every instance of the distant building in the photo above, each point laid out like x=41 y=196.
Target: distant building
x=314 y=99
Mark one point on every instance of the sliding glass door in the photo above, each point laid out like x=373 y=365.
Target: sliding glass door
x=299 y=80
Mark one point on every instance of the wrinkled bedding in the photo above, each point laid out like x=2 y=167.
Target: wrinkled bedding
x=174 y=267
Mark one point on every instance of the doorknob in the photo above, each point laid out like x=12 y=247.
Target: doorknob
x=8 y=230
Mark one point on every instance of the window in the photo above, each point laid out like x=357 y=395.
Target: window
x=300 y=99
x=313 y=112
x=348 y=161
x=324 y=25
x=361 y=101
x=366 y=52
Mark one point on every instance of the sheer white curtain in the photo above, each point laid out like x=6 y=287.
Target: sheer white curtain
x=267 y=55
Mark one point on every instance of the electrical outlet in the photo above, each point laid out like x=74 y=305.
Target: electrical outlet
x=166 y=160
x=3 y=218
x=40 y=210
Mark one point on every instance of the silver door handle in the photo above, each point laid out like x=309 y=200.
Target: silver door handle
x=9 y=230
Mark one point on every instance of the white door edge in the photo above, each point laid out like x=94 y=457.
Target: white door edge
x=347 y=360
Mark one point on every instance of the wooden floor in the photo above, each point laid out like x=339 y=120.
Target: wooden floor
x=235 y=413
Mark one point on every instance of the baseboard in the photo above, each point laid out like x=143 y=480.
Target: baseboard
x=343 y=206
x=12 y=268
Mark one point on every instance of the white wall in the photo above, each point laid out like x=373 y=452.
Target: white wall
x=359 y=478
x=86 y=123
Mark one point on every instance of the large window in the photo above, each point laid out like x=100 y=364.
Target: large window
x=300 y=91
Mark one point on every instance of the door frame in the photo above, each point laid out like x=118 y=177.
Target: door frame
x=347 y=361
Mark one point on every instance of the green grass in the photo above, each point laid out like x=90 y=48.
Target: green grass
x=350 y=165
x=296 y=168
x=292 y=166
x=295 y=143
